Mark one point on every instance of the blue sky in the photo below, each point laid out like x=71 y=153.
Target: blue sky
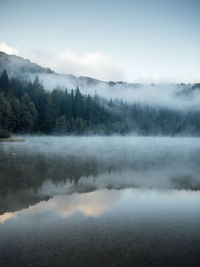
x=137 y=40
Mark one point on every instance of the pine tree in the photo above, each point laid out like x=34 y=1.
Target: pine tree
x=5 y=113
x=28 y=114
x=4 y=83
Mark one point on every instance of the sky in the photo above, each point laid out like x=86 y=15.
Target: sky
x=130 y=40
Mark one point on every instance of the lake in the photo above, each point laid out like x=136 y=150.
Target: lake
x=100 y=201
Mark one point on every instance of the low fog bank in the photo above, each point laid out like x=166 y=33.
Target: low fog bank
x=174 y=96
x=82 y=164
x=44 y=167
x=165 y=95
x=129 y=148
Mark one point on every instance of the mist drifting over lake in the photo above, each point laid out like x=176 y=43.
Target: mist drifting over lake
x=93 y=193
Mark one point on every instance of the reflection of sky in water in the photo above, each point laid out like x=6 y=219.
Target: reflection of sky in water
x=132 y=202
x=90 y=204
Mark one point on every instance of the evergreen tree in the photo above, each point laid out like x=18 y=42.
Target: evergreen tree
x=15 y=111
x=5 y=113
x=27 y=107
x=4 y=82
x=28 y=114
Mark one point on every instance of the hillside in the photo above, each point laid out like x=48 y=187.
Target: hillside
x=18 y=66
x=15 y=65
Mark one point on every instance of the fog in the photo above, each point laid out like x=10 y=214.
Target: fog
x=170 y=95
x=174 y=96
x=84 y=164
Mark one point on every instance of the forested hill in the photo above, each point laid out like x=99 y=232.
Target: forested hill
x=25 y=107
x=18 y=66
x=15 y=65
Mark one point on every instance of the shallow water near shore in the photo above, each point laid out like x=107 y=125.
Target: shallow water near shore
x=100 y=201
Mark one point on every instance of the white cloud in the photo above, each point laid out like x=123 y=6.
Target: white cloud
x=99 y=66
x=93 y=64
x=8 y=49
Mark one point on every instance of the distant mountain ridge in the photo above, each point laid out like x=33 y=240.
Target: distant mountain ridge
x=55 y=103
x=16 y=65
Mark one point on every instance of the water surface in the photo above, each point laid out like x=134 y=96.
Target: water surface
x=100 y=201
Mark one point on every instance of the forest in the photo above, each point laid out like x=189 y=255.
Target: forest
x=27 y=108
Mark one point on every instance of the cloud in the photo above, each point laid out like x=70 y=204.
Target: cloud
x=93 y=64
x=100 y=66
x=8 y=49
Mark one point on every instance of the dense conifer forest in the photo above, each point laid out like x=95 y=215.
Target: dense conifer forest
x=26 y=107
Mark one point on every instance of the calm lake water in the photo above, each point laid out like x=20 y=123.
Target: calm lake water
x=100 y=201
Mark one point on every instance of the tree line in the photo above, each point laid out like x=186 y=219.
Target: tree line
x=26 y=107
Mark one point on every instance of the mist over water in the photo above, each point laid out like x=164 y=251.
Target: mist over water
x=142 y=161
x=100 y=201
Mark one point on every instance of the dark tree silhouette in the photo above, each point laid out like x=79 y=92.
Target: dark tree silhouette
x=4 y=82
x=27 y=107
